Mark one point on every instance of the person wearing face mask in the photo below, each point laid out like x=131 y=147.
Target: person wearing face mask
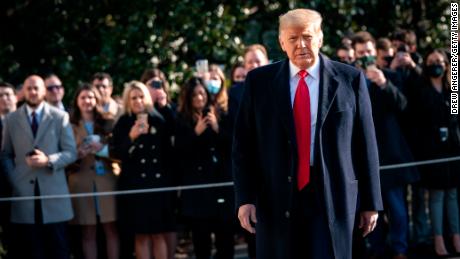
x=388 y=102
x=440 y=131
x=214 y=82
x=238 y=73
x=385 y=53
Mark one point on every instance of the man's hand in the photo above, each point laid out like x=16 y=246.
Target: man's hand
x=246 y=215
x=39 y=159
x=376 y=75
x=368 y=221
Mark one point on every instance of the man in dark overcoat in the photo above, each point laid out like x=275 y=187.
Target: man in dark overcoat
x=305 y=158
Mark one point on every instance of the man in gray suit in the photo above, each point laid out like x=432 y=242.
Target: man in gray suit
x=38 y=143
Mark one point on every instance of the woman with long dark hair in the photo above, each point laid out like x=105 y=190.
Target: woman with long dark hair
x=201 y=144
x=441 y=138
x=92 y=172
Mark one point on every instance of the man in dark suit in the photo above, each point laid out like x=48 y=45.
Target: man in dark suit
x=305 y=153
x=388 y=102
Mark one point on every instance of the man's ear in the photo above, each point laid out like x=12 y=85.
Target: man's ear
x=280 y=40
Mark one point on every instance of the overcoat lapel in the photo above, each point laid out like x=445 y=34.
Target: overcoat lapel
x=282 y=95
x=328 y=90
x=43 y=124
x=24 y=123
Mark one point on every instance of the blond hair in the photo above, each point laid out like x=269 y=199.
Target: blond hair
x=136 y=85
x=302 y=18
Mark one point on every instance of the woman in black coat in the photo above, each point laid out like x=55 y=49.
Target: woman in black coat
x=440 y=138
x=201 y=149
x=142 y=141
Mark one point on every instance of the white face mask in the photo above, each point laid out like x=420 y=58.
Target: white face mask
x=213 y=86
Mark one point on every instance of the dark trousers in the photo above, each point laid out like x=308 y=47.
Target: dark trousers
x=39 y=241
x=310 y=231
x=396 y=211
x=202 y=242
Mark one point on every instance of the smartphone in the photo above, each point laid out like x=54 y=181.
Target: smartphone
x=156 y=84
x=206 y=111
x=202 y=66
x=143 y=117
x=31 y=153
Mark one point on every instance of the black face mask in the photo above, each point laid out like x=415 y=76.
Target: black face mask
x=435 y=70
x=388 y=59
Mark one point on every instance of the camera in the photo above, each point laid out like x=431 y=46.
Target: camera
x=365 y=61
x=156 y=84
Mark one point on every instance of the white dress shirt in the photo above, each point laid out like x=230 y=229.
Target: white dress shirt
x=38 y=113
x=312 y=81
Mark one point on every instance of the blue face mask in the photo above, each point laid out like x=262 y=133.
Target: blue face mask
x=213 y=86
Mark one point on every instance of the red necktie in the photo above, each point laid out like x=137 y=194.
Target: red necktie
x=302 y=120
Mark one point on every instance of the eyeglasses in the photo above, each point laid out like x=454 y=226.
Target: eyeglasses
x=51 y=88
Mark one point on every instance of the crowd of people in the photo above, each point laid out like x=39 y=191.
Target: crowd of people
x=146 y=140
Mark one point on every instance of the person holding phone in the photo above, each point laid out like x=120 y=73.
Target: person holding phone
x=142 y=141
x=388 y=103
x=38 y=144
x=93 y=172
x=201 y=145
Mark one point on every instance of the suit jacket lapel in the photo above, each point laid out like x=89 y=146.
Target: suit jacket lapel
x=24 y=122
x=43 y=124
x=282 y=95
x=328 y=89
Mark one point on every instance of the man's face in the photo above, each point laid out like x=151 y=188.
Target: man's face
x=384 y=57
x=34 y=91
x=364 y=49
x=301 y=44
x=104 y=87
x=254 y=59
x=54 y=90
x=7 y=100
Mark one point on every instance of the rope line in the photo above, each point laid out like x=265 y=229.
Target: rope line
x=197 y=186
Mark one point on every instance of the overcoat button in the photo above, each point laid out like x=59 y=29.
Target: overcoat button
x=143 y=175
x=287 y=214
